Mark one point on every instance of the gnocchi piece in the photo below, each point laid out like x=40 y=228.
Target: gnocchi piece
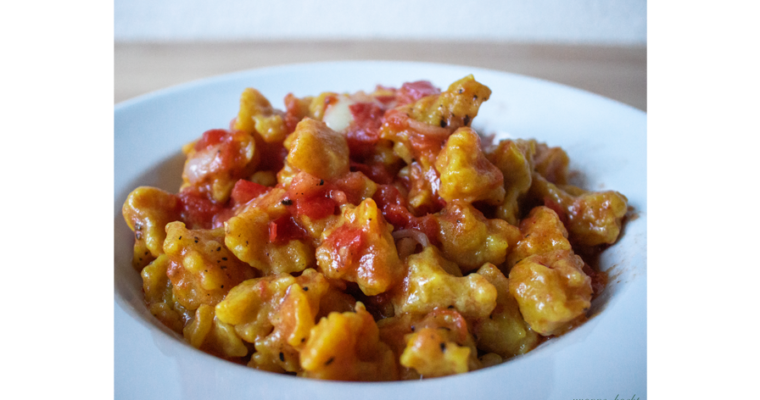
x=514 y=158
x=593 y=218
x=346 y=346
x=250 y=306
x=420 y=129
x=155 y=281
x=257 y=115
x=454 y=108
x=542 y=232
x=431 y=355
x=434 y=282
x=424 y=185
x=147 y=210
x=551 y=163
x=276 y=313
x=440 y=345
x=159 y=295
x=470 y=240
x=207 y=333
x=504 y=332
x=249 y=236
x=360 y=248
x=318 y=150
x=202 y=270
x=466 y=174
x=394 y=331
x=551 y=290
x=293 y=322
x=306 y=107
x=217 y=161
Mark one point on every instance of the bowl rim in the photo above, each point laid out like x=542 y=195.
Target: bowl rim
x=126 y=105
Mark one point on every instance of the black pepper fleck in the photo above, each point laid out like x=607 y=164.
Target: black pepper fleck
x=305 y=288
x=467 y=120
x=461 y=91
x=138 y=235
x=224 y=258
x=443 y=124
x=321 y=182
x=222 y=286
x=146 y=253
x=287 y=202
x=443 y=347
x=138 y=226
x=219 y=248
x=450 y=307
x=328 y=362
x=282 y=357
x=474 y=97
x=180 y=238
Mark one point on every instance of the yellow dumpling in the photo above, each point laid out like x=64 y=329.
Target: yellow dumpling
x=552 y=291
x=433 y=282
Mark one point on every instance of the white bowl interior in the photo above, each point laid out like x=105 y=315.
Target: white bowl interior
x=606 y=142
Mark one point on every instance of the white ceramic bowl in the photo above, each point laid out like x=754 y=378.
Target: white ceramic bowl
x=606 y=141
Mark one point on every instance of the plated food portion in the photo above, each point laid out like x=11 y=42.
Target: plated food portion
x=370 y=236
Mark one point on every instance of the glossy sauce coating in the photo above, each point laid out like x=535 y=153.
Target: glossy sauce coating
x=370 y=236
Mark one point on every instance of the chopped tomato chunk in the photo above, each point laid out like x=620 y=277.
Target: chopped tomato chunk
x=223 y=216
x=315 y=207
x=352 y=184
x=388 y=194
x=244 y=191
x=272 y=155
x=413 y=91
x=305 y=185
x=385 y=99
x=364 y=130
x=394 y=208
x=196 y=210
x=426 y=146
x=346 y=242
x=285 y=229
x=375 y=171
x=210 y=138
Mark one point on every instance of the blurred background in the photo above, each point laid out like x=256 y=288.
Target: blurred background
x=595 y=45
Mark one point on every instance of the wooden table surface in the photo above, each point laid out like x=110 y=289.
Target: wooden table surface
x=619 y=73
